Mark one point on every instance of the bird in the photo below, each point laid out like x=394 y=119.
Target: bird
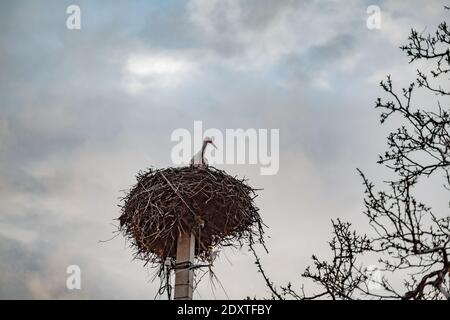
x=199 y=160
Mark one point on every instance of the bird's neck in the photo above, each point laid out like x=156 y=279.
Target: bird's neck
x=204 y=148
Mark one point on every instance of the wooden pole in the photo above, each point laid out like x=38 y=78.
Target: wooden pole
x=184 y=275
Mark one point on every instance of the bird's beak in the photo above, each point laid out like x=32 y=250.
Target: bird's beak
x=213 y=145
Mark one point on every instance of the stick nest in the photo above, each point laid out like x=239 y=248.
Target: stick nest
x=217 y=208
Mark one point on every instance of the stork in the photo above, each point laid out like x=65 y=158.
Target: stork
x=198 y=159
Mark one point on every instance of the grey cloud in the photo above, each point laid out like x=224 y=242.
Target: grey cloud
x=72 y=136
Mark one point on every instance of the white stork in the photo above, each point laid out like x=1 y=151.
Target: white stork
x=199 y=158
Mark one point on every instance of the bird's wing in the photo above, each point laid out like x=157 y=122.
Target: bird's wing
x=197 y=158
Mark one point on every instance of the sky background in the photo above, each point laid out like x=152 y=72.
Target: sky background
x=82 y=111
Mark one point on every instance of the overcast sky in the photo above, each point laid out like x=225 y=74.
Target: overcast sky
x=81 y=111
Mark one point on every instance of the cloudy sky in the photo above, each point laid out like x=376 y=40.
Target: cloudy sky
x=81 y=111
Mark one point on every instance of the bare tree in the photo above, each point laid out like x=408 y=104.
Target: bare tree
x=409 y=240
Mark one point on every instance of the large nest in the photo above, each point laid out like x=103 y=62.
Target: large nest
x=216 y=207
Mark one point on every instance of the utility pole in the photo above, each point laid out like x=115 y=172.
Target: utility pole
x=184 y=275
